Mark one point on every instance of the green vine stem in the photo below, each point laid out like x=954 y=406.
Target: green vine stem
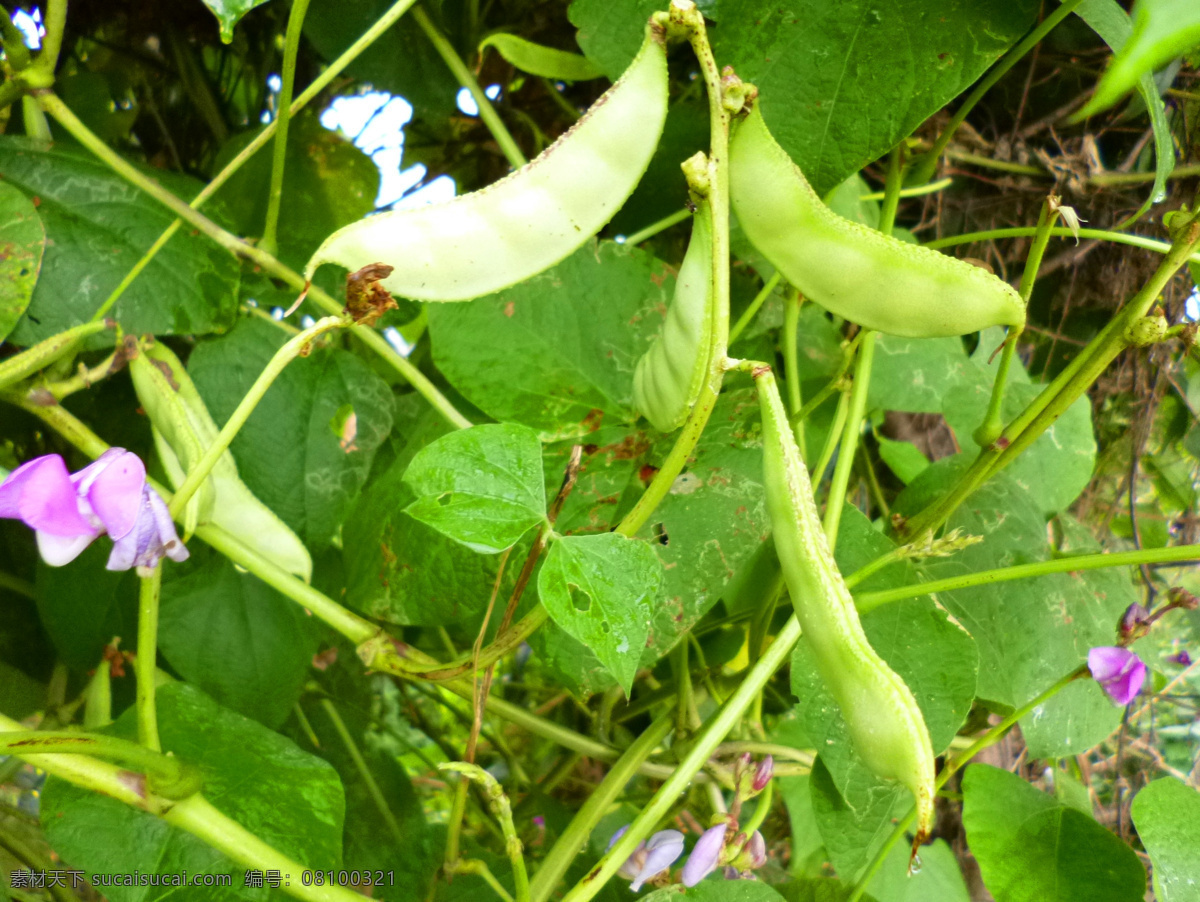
x=697 y=755
x=320 y=83
x=574 y=837
x=291 y=46
x=15 y=50
x=856 y=414
x=35 y=861
x=20 y=366
x=297 y=346
x=108 y=748
x=467 y=79
x=718 y=202
x=47 y=59
x=56 y=108
x=1069 y=385
x=502 y=809
x=1181 y=554
x=924 y=170
x=145 y=665
x=952 y=766
x=655 y=227
x=755 y=305
x=791 y=363
x=1139 y=241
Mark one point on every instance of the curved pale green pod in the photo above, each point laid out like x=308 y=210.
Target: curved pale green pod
x=670 y=376
x=886 y=726
x=858 y=273
x=183 y=429
x=527 y=222
x=537 y=59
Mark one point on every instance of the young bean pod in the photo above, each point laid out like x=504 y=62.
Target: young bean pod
x=183 y=429
x=527 y=222
x=669 y=377
x=856 y=272
x=886 y=726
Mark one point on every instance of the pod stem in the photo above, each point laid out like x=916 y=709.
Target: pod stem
x=464 y=76
x=991 y=427
x=145 y=665
x=791 y=364
x=856 y=414
x=755 y=305
x=655 y=227
x=291 y=47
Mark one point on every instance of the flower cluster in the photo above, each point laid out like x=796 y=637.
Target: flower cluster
x=68 y=511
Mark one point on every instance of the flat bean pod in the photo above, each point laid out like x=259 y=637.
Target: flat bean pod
x=527 y=222
x=886 y=726
x=858 y=273
x=670 y=376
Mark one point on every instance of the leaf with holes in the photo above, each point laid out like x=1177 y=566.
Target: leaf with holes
x=481 y=487
x=598 y=589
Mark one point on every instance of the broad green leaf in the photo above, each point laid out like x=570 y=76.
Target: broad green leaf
x=1112 y=23
x=557 y=352
x=1162 y=30
x=537 y=59
x=229 y=13
x=328 y=183
x=808 y=853
x=913 y=374
x=482 y=487
x=97 y=227
x=599 y=589
x=904 y=459
x=402 y=61
x=233 y=636
x=401 y=571
x=1030 y=633
x=717 y=889
x=1057 y=466
x=22 y=241
x=299 y=452
x=840 y=84
x=610 y=33
x=1030 y=847
x=819 y=889
x=286 y=797
x=1167 y=816
x=83 y=605
x=938 y=879
x=856 y=817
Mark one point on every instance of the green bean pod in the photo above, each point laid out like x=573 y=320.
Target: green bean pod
x=886 y=726
x=527 y=222
x=670 y=376
x=858 y=273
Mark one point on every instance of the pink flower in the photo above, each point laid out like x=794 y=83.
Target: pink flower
x=651 y=857
x=1119 y=671
x=68 y=511
x=706 y=855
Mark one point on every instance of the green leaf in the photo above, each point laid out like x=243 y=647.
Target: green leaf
x=1112 y=23
x=236 y=638
x=22 y=240
x=482 y=487
x=83 y=605
x=1030 y=847
x=610 y=33
x=537 y=59
x=855 y=816
x=288 y=452
x=401 y=571
x=229 y=13
x=401 y=62
x=840 y=84
x=1057 y=467
x=1030 y=633
x=557 y=352
x=286 y=797
x=939 y=878
x=904 y=459
x=328 y=183
x=913 y=374
x=599 y=589
x=719 y=890
x=1162 y=30
x=97 y=227
x=1167 y=816
x=808 y=852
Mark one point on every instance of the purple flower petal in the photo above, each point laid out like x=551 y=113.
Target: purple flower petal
x=113 y=488
x=1119 y=671
x=661 y=851
x=706 y=855
x=59 y=550
x=41 y=495
x=152 y=536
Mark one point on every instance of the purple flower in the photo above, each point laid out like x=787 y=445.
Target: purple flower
x=651 y=857
x=706 y=855
x=1119 y=671
x=68 y=511
x=753 y=854
x=762 y=774
x=1183 y=659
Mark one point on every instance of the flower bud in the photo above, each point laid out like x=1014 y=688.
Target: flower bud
x=706 y=855
x=1134 y=623
x=762 y=774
